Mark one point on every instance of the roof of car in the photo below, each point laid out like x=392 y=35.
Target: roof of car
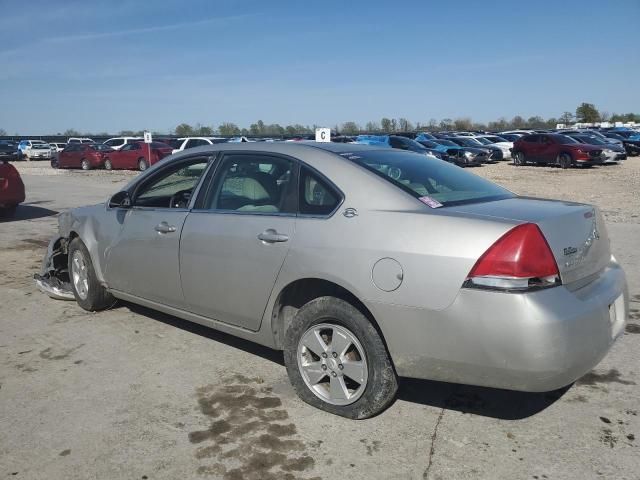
x=290 y=148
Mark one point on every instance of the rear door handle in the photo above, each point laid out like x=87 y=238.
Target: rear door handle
x=164 y=227
x=272 y=236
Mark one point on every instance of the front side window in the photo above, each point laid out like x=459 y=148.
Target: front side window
x=316 y=197
x=173 y=187
x=253 y=183
x=434 y=179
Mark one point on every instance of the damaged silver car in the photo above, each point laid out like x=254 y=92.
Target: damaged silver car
x=360 y=263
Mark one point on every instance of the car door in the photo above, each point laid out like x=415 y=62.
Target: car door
x=548 y=149
x=68 y=155
x=142 y=259
x=236 y=239
x=119 y=157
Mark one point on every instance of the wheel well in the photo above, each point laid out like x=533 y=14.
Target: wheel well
x=301 y=292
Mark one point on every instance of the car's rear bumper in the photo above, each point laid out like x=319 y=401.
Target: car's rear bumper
x=538 y=341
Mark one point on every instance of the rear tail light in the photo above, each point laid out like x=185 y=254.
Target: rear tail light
x=519 y=260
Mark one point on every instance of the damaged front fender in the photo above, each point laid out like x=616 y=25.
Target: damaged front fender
x=53 y=278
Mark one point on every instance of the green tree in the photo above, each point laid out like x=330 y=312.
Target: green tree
x=566 y=118
x=536 y=122
x=385 y=124
x=518 y=122
x=184 y=130
x=204 y=130
x=587 y=113
x=228 y=128
x=462 y=124
x=350 y=128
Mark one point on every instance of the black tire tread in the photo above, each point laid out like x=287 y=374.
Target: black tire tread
x=382 y=383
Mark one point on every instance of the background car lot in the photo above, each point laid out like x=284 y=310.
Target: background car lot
x=170 y=393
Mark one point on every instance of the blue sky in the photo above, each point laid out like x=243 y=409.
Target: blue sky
x=114 y=65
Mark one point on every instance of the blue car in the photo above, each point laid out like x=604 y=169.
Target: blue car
x=626 y=133
x=402 y=143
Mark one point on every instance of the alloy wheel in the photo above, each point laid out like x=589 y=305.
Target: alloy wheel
x=332 y=363
x=79 y=275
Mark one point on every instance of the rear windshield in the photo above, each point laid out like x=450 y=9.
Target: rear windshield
x=101 y=147
x=421 y=176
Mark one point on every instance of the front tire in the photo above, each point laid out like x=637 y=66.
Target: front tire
x=142 y=164
x=337 y=361
x=108 y=165
x=88 y=291
x=564 y=160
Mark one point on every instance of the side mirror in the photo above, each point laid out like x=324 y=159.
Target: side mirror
x=120 y=200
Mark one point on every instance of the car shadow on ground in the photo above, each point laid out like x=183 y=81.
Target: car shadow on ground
x=483 y=401
x=267 y=353
x=29 y=212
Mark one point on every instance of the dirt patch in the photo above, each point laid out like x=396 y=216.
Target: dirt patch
x=632 y=328
x=51 y=353
x=612 y=376
x=249 y=436
x=29 y=244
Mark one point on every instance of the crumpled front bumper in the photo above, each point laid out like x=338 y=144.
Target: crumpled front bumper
x=53 y=278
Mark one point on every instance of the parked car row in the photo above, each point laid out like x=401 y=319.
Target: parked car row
x=134 y=155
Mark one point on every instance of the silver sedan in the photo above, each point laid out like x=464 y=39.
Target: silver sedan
x=361 y=263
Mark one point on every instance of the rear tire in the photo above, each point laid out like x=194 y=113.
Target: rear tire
x=360 y=369
x=8 y=212
x=518 y=159
x=142 y=164
x=564 y=160
x=108 y=165
x=87 y=290
x=84 y=164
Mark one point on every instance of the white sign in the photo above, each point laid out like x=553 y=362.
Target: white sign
x=147 y=137
x=323 y=134
x=560 y=126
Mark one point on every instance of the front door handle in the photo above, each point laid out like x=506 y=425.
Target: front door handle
x=164 y=227
x=272 y=236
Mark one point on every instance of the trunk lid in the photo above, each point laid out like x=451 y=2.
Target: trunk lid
x=575 y=232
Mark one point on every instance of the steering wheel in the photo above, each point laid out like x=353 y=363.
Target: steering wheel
x=180 y=199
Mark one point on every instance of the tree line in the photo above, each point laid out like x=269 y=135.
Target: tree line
x=584 y=113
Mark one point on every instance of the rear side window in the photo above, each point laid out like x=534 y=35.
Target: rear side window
x=428 y=179
x=316 y=196
x=253 y=183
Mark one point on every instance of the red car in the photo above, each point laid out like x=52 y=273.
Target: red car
x=556 y=149
x=82 y=155
x=137 y=155
x=11 y=189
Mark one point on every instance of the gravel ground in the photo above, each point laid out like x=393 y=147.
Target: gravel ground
x=134 y=394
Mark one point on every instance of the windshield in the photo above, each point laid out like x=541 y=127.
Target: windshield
x=469 y=142
x=589 y=139
x=496 y=139
x=448 y=143
x=483 y=140
x=563 y=139
x=428 y=179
